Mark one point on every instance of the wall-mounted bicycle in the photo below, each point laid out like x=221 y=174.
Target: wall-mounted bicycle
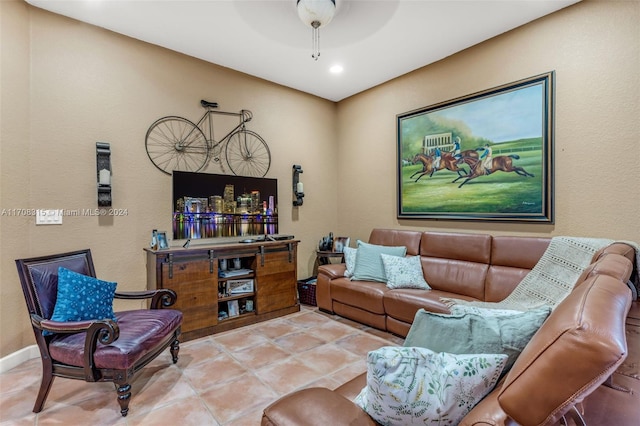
x=176 y=143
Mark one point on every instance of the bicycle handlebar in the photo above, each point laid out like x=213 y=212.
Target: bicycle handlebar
x=246 y=115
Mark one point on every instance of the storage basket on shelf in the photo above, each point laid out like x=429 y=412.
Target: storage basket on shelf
x=307 y=291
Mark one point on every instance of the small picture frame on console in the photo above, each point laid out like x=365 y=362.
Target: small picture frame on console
x=339 y=243
x=163 y=243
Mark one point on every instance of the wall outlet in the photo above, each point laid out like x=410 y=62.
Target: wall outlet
x=48 y=217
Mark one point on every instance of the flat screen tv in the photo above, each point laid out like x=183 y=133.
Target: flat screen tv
x=209 y=205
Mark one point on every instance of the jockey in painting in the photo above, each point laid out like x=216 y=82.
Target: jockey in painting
x=486 y=158
x=438 y=157
x=456 y=148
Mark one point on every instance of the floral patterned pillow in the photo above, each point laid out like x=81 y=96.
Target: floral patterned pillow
x=404 y=272
x=416 y=386
x=349 y=260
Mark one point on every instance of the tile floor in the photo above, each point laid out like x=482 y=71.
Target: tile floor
x=224 y=379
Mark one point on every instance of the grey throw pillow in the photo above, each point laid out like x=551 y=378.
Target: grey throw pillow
x=474 y=333
x=369 y=266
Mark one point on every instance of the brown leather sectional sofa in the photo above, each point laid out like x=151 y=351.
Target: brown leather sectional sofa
x=573 y=354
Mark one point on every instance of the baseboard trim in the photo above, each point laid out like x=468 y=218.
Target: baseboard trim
x=15 y=359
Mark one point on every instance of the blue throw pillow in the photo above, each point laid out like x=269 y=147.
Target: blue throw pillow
x=81 y=298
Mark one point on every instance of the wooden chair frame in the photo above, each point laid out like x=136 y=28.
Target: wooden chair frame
x=102 y=332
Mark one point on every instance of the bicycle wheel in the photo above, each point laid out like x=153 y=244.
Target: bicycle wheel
x=248 y=154
x=175 y=143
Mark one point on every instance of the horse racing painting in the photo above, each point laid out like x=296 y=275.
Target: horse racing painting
x=485 y=156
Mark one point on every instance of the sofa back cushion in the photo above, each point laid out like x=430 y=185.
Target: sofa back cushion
x=456 y=262
x=620 y=248
x=613 y=265
x=394 y=237
x=594 y=311
x=511 y=259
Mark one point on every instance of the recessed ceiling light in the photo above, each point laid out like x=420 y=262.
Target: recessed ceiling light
x=336 y=69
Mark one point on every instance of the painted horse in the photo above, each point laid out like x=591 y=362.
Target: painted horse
x=447 y=161
x=500 y=163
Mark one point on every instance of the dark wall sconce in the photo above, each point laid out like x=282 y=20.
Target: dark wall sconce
x=103 y=166
x=298 y=188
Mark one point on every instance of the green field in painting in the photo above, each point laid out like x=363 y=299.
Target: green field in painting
x=500 y=192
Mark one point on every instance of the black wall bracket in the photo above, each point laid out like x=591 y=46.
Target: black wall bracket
x=298 y=190
x=103 y=167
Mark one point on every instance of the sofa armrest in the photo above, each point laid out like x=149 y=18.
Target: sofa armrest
x=589 y=325
x=352 y=388
x=327 y=273
x=314 y=407
x=488 y=412
x=332 y=270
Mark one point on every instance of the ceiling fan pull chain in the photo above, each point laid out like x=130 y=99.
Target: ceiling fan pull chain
x=315 y=40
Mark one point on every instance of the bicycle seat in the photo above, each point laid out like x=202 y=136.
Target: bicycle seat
x=208 y=104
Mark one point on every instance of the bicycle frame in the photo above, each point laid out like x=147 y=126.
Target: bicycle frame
x=244 y=116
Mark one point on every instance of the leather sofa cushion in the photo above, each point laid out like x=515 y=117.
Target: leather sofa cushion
x=512 y=258
x=456 y=246
x=299 y=409
x=352 y=388
x=140 y=332
x=402 y=304
x=618 y=248
x=456 y=262
x=397 y=327
x=366 y=295
x=488 y=412
x=501 y=281
x=332 y=270
x=615 y=266
x=518 y=252
x=394 y=237
x=460 y=277
x=561 y=359
x=378 y=321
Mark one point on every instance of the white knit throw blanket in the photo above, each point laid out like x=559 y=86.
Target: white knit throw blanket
x=552 y=278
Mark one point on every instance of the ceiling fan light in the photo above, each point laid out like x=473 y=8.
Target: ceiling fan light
x=316 y=13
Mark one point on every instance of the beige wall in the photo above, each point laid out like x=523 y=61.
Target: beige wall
x=594 y=47
x=66 y=85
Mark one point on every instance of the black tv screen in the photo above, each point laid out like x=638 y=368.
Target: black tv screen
x=209 y=205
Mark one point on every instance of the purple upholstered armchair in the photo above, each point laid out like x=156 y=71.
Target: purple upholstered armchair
x=95 y=350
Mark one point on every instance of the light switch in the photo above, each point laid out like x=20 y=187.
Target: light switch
x=48 y=217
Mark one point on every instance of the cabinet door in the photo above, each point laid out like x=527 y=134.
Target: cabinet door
x=196 y=287
x=276 y=279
